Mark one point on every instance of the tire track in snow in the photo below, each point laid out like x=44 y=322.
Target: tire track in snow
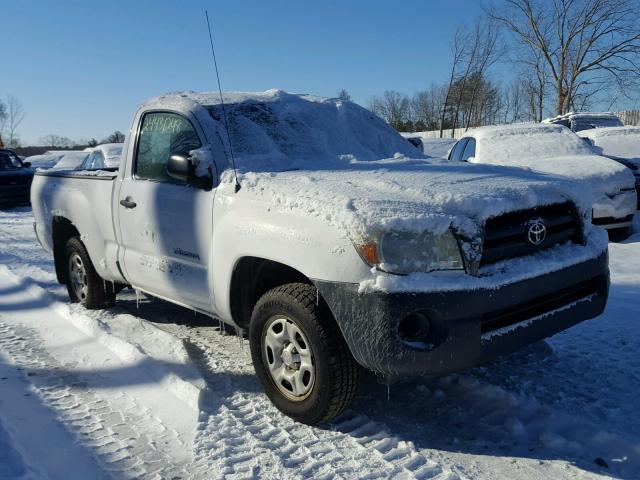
x=125 y=444
x=254 y=434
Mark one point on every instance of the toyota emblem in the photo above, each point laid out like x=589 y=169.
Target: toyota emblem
x=537 y=232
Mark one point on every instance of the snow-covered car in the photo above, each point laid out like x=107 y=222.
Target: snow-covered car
x=621 y=144
x=416 y=142
x=103 y=156
x=311 y=224
x=556 y=150
x=15 y=179
x=586 y=120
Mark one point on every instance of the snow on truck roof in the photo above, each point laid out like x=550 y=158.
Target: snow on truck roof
x=275 y=128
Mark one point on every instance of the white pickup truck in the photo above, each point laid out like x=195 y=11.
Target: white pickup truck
x=335 y=243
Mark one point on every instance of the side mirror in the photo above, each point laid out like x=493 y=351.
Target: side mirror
x=183 y=169
x=180 y=167
x=26 y=164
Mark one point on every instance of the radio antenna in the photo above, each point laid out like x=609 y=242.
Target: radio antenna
x=224 y=111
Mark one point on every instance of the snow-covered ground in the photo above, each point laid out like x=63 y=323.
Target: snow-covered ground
x=150 y=390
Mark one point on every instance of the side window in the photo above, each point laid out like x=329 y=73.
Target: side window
x=458 y=148
x=469 y=150
x=162 y=135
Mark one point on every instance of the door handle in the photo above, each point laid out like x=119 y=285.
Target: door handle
x=128 y=203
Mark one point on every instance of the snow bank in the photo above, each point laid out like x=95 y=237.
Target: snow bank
x=133 y=341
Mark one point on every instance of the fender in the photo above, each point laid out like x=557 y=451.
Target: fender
x=246 y=226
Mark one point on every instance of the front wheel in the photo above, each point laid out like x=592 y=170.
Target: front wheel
x=84 y=285
x=300 y=356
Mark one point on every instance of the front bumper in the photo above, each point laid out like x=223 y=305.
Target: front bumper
x=469 y=326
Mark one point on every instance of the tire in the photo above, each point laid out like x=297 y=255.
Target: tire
x=332 y=385
x=84 y=285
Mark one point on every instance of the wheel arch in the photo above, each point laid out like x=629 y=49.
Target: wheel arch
x=252 y=277
x=62 y=229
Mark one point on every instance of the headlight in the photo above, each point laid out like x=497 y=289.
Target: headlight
x=407 y=252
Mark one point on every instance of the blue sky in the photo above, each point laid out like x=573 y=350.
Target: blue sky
x=81 y=68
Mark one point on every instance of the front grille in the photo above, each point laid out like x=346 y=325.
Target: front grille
x=539 y=306
x=508 y=236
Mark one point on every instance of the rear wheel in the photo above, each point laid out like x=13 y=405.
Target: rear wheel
x=84 y=285
x=299 y=355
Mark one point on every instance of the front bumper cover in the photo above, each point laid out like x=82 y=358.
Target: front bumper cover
x=461 y=319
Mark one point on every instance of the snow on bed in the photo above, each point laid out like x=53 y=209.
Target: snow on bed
x=551 y=149
x=623 y=142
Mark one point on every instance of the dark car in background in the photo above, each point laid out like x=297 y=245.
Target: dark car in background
x=15 y=180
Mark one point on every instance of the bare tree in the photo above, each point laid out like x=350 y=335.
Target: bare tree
x=115 y=137
x=3 y=116
x=394 y=107
x=427 y=106
x=344 y=95
x=458 y=51
x=14 y=116
x=586 y=45
x=486 y=52
x=53 y=140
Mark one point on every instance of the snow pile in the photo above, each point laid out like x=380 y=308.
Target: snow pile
x=622 y=142
x=551 y=149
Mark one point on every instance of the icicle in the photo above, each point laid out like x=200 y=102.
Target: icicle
x=388 y=392
x=137 y=299
x=317 y=298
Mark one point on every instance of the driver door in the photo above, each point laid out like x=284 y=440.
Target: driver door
x=165 y=224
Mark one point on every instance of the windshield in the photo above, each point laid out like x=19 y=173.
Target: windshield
x=9 y=161
x=293 y=132
x=514 y=146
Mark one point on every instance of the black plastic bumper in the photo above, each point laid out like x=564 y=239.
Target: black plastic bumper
x=467 y=327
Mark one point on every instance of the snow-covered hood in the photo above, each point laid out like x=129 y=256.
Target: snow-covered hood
x=603 y=175
x=364 y=197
